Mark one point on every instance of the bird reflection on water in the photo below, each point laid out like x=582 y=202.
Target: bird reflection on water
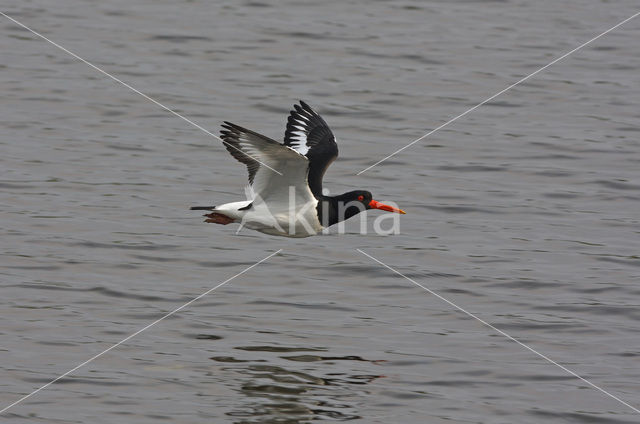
x=286 y=394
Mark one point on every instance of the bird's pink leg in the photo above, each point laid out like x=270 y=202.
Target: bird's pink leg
x=218 y=218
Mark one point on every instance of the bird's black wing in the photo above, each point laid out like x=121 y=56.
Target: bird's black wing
x=310 y=135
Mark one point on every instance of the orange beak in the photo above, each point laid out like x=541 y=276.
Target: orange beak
x=377 y=205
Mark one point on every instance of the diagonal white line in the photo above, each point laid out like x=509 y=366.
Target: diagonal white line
x=133 y=89
x=499 y=93
x=136 y=333
x=546 y=358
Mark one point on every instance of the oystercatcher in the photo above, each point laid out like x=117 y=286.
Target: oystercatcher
x=285 y=180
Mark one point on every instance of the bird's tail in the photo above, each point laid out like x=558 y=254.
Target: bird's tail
x=202 y=208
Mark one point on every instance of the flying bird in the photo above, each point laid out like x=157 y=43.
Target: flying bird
x=285 y=180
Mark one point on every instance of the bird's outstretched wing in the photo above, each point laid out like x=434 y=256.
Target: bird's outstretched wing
x=310 y=135
x=255 y=151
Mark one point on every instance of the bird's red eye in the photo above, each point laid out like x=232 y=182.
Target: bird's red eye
x=361 y=198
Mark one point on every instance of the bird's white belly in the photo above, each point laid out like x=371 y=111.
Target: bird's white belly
x=295 y=222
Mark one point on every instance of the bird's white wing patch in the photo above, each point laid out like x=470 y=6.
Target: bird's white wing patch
x=277 y=189
x=298 y=134
x=269 y=186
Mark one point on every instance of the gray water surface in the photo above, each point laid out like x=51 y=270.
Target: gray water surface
x=524 y=212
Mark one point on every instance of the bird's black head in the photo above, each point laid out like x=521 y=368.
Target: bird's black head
x=358 y=197
x=349 y=204
x=352 y=203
